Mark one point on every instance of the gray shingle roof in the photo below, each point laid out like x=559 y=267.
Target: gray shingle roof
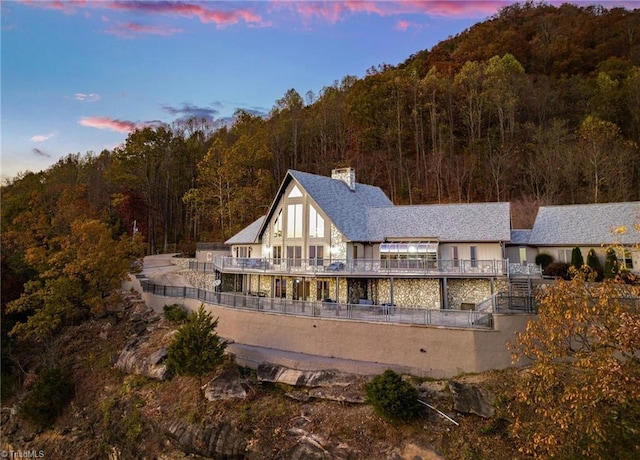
x=347 y=209
x=447 y=222
x=586 y=224
x=247 y=235
x=520 y=236
x=367 y=214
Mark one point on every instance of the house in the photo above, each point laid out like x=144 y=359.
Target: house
x=559 y=229
x=334 y=239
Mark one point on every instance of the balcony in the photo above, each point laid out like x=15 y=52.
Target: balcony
x=358 y=267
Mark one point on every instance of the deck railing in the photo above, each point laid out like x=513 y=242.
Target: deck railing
x=335 y=267
x=334 y=310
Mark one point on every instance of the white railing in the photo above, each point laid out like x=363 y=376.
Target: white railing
x=357 y=266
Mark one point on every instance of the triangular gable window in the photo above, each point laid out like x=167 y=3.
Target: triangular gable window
x=295 y=192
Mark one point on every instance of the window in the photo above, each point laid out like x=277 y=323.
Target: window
x=294 y=255
x=317 y=254
x=316 y=223
x=454 y=256
x=564 y=255
x=625 y=259
x=295 y=192
x=418 y=254
x=277 y=254
x=523 y=255
x=277 y=226
x=243 y=251
x=294 y=221
x=474 y=256
x=281 y=288
x=322 y=290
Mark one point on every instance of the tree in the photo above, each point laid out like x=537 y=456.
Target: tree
x=76 y=275
x=392 y=398
x=196 y=349
x=581 y=395
x=611 y=266
x=577 y=261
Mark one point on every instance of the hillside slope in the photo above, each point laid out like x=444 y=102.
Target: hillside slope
x=119 y=416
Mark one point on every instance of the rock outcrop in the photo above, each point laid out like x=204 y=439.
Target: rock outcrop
x=471 y=399
x=330 y=385
x=220 y=441
x=227 y=385
x=136 y=358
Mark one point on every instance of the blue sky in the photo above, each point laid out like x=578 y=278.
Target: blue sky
x=78 y=76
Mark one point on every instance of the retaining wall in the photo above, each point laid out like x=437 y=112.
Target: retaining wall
x=426 y=351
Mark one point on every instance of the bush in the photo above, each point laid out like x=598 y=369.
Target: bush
x=392 y=398
x=48 y=398
x=558 y=270
x=611 y=267
x=593 y=262
x=544 y=260
x=175 y=313
x=577 y=261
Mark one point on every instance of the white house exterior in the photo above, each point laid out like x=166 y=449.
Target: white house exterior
x=335 y=239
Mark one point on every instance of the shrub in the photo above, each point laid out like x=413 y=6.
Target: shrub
x=392 y=398
x=544 y=260
x=611 y=267
x=48 y=398
x=593 y=262
x=577 y=261
x=558 y=270
x=175 y=313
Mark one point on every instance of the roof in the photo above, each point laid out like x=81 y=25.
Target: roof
x=520 y=236
x=445 y=222
x=586 y=224
x=248 y=235
x=346 y=208
x=367 y=214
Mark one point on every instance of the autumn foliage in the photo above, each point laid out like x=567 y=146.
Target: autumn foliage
x=581 y=395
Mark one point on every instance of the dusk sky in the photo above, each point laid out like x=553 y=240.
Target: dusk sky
x=78 y=76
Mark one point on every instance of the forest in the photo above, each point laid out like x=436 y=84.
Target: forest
x=538 y=105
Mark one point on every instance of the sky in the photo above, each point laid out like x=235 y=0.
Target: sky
x=78 y=76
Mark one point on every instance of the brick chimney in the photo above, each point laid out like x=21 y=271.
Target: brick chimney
x=346 y=175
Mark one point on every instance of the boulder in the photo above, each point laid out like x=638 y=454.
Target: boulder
x=331 y=385
x=471 y=399
x=223 y=440
x=227 y=385
x=413 y=451
x=136 y=358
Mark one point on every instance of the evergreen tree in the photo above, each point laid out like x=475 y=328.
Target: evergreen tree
x=611 y=267
x=577 y=260
x=196 y=349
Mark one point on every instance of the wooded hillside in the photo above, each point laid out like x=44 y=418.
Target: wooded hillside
x=537 y=105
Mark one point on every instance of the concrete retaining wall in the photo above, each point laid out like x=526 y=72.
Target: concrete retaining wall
x=426 y=351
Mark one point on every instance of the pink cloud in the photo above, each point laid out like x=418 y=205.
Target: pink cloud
x=129 y=29
x=66 y=6
x=206 y=15
x=402 y=25
x=220 y=17
x=335 y=11
x=122 y=126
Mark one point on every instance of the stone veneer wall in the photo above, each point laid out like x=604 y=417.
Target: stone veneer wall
x=409 y=293
x=467 y=291
x=201 y=280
